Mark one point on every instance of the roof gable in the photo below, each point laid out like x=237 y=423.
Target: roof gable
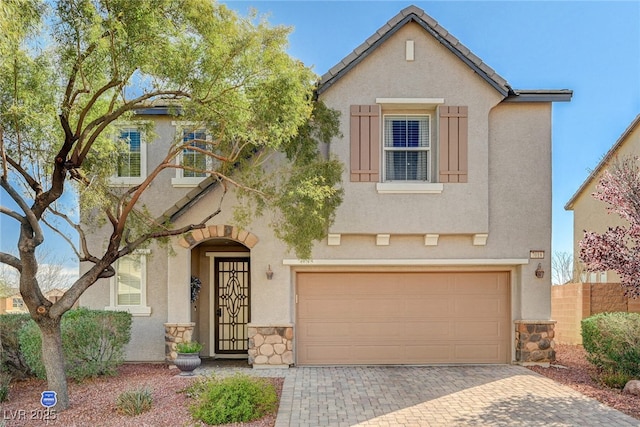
x=431 y=26
x=604 y=162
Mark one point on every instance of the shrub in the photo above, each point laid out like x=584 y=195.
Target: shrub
x=134 y=402
x=188 y=347
x=235 y=399
x=11 y=357
x=612 y=342
x=613 y=379
x=92 y=340
x=5 y=379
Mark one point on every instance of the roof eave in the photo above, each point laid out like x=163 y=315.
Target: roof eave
x=537 y=95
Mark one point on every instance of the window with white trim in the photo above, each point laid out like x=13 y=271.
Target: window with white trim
x=407 y=148
x=190 y=158
x=131 y=164
x=129 y=285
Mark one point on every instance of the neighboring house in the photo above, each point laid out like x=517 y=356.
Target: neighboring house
x=591 y=214
x=12 y=303
x=15 y=304
x=436 y=253
x=595 y=292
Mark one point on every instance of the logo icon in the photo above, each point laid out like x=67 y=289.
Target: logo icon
x=49 y=399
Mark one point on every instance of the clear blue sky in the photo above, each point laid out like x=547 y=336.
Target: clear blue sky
x=590 y=47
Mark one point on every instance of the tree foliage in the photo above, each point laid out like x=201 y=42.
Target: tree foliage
x=71 y=70
x=618 y=248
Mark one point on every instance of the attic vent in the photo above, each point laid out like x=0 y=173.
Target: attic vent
x=409 y=50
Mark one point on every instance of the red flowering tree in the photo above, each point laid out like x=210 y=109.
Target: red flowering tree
x=618 y=248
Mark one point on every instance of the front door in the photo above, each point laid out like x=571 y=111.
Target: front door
x=232 y=305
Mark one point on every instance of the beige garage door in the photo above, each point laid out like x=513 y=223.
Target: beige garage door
x=402 y=318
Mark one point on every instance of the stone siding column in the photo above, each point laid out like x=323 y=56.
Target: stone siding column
x=173 y=334
x=534 y=342
x=270 y=346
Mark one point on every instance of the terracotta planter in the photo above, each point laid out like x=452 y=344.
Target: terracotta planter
x=187 y=362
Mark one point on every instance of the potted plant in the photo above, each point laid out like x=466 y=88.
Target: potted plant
x=188 y=357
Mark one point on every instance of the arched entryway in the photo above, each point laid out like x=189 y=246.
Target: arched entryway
x=221 y=309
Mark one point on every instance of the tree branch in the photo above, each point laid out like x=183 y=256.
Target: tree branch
x=35 y=185
x=91 y=103
x=69 y=95
x=102 y=122
x=30 y=216
x=11 y=260
x=61 y=234
x=13 y=214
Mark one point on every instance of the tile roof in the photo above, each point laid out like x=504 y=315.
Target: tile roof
x=635 y=123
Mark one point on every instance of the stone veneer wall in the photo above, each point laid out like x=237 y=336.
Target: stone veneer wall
x=173 y=334
x=270 y=346
x=534 y=342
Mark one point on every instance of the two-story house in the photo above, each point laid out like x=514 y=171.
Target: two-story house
x=440 y=252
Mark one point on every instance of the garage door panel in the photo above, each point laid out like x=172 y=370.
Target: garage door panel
x=319 y=354
x=399 y=318
x=434 y=307
x=489 y=307
x=478 y=353
x=328 y=308
x=326 y=330
x=479 y=330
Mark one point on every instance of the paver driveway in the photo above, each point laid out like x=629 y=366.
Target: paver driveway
x=435 y=396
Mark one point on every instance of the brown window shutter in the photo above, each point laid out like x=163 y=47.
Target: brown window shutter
x=365 y=143
x=453 y=144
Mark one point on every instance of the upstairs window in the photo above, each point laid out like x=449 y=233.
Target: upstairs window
x=420 y=150
x=407 y=148
x=195 y=162
x=130 y=156
x=193 y=158
x=131 y=162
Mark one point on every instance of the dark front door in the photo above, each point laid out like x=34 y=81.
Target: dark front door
x=232 y=305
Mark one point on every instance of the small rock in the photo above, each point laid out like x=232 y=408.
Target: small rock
x=632 y=387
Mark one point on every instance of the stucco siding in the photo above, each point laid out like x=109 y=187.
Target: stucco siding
x=520 y=202
x=435 y=73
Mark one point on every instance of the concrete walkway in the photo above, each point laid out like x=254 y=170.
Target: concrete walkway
x=500 y=395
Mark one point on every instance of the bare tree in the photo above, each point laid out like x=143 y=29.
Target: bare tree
x=562 y=268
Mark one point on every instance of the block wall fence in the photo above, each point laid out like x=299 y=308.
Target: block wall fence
x=573 y=302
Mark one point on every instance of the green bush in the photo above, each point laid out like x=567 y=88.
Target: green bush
x=612 y=342
x=188 y=347
x=134 y=402
x=613 y=379
x=92 y=340
x=5 y=379
x=235 y=399
x=11 y=357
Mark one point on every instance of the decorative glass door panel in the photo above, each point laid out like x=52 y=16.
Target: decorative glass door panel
x=232 y=305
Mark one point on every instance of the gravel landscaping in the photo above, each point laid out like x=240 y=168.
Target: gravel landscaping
x=572 y=369
x=93 y=402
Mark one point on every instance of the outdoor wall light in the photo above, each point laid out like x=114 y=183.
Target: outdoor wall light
x=539 y=272
x=269 y=273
